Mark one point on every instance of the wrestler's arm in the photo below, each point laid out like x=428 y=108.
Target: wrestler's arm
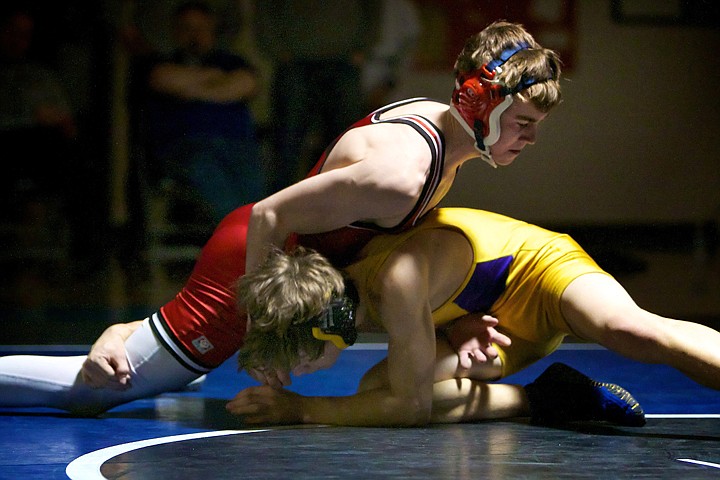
x=382 y=173
x=106 y=365
x=401 y=294
x=210 y=84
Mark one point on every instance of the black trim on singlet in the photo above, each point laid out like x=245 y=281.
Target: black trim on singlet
x=176 y=346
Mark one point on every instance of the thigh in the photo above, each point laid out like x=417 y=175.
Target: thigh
x=595 y=304
x=153 y=369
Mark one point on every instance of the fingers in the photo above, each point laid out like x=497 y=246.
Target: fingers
x=96 y=375
x=479 y=356
x=493 y=335
x=256 y=375
x=99 y=373
x=490 y=353
x=465 y=360
x=500 y=339
x=263 y=376
x=122 y=372
x=490 y=321
x=283 y=377
x=476 y=354
x=252 y=404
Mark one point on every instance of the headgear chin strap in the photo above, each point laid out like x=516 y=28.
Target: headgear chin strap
x=337 y=322
x=479 y=100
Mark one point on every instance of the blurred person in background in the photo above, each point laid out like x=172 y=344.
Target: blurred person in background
x=317 y=62
x=200 y=131
x=49 y=183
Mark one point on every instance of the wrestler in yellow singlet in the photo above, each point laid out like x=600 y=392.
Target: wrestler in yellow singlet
x=519 y=274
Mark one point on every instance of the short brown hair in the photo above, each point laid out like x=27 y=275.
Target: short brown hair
x=536 y=62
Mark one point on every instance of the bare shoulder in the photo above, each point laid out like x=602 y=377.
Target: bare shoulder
x=439 y=246
x=430 y=109
x=441 y=256
x=391 y=144
x=388 y=152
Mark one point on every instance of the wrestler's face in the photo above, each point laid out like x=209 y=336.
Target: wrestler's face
x=326 y=360
x=518 y=128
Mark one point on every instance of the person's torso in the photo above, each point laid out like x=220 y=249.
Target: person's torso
x=341 y=245
x=496 y=240
x=171 y=118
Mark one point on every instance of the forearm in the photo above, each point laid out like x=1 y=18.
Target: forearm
x=264 y=231
x=228 y=87
x=203 y=83
x=375 y=408
x=178 y=80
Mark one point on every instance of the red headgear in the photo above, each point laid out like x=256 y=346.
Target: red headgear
x=479 y=100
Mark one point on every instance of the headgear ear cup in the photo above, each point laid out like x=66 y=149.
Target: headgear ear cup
x=475 y=99
x=479 y=100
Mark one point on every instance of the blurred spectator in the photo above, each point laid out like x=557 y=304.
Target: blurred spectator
x=46 y=181
x=200 y=131
x=392 y=54
x=317 y=48
x=32 y=93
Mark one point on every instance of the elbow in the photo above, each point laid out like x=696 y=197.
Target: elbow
x=421 y=420
x=266 y=223
x=262 y=215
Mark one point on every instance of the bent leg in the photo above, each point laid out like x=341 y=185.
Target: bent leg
x=55 y=382
x=38 y=381
x=560 y=394
x=466 y=400
x=597 y=308
x=461 y=395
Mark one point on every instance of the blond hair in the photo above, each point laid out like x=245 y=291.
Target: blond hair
x=537 y=63
x=286 y=291
x=281 y=350
x=288 y=288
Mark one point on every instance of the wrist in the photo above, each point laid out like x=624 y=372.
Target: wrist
x=121 y=330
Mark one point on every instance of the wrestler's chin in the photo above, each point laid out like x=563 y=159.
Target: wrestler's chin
x=506 y=158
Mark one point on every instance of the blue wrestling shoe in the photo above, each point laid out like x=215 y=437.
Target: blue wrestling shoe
x=561 y=394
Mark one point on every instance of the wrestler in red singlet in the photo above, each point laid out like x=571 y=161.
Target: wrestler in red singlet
x=341 y=245
x=201 y=326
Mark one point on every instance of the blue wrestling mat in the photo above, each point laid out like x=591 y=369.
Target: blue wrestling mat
x=187 y=435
